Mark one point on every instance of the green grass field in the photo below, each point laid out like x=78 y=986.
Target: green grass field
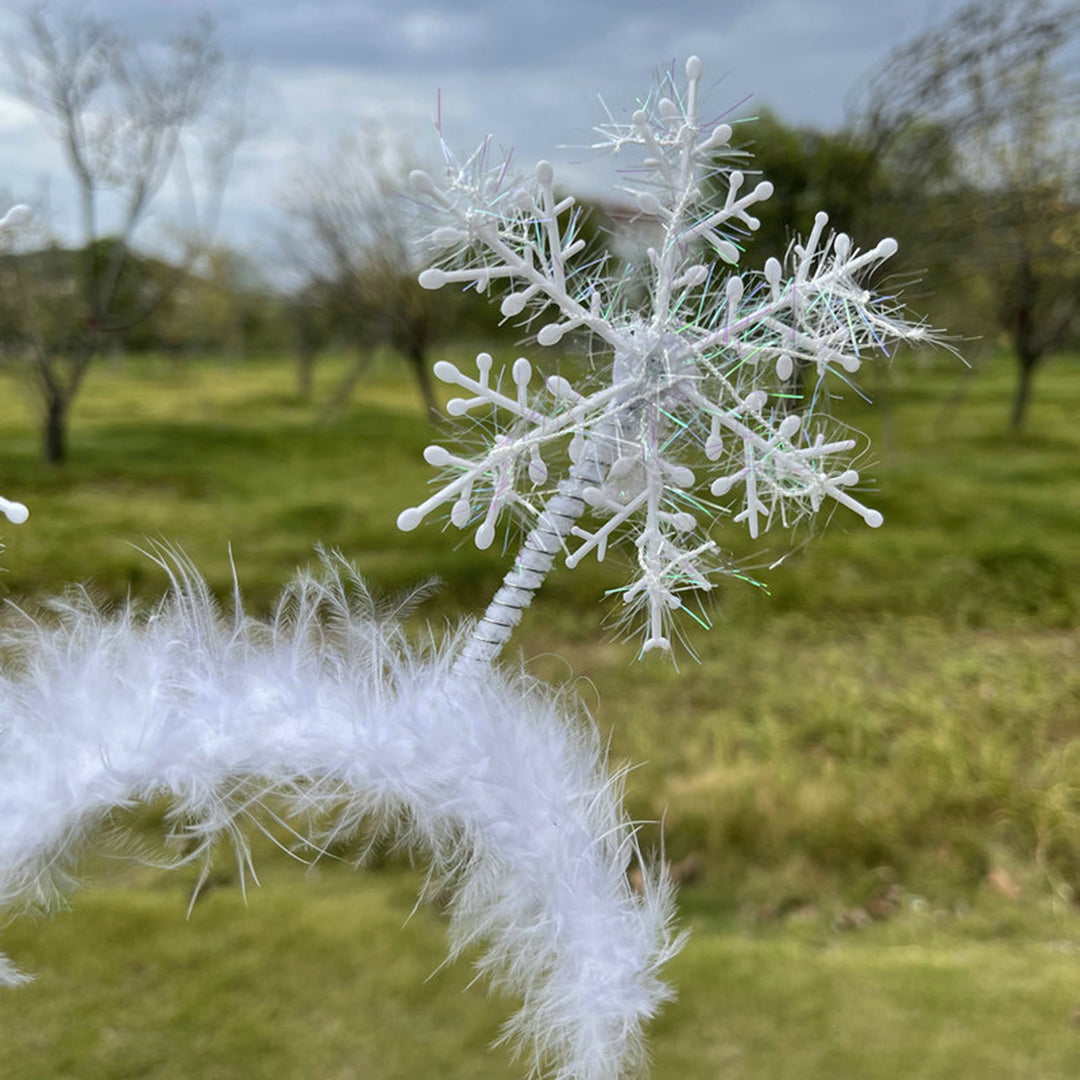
x=874 y=771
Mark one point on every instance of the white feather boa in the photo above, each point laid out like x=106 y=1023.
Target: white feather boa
x=327 y=705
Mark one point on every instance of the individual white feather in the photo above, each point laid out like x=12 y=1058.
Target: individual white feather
x=328 y=707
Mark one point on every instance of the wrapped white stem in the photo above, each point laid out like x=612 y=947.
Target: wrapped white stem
x=543 y=542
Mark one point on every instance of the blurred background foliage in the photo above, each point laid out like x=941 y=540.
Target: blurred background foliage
x=869 y=786
x=963 y=143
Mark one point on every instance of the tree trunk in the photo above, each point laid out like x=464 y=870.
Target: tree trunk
x=418 y=359
x=54 y=432
x=1024 y=330
x=305 y=370
x=343 y=394
x=1022 y=396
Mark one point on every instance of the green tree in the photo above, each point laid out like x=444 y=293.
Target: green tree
x=353 y=240
x=979 y=117
x=812 y=170
x=124 y=119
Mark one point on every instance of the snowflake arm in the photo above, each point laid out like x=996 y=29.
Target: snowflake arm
x=519 y=239
x=494 y=475
x=773 y=465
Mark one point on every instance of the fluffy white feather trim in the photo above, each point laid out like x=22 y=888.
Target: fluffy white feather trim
x=327 y=706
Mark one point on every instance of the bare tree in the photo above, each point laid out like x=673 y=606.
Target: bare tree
x=128 y=121
x=978 y=113
x=354 y=242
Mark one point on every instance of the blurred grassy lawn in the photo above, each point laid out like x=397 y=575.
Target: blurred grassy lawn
x=887 y=743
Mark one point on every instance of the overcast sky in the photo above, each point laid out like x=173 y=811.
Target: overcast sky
x=528 y=72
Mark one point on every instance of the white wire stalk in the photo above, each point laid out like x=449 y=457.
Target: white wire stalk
x=17 y=217
x=691 y=417
x=328 y=710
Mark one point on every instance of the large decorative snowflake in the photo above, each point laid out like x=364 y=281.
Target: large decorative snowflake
x=717 y=383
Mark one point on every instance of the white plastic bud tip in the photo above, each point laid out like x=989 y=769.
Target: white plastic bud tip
x=888 y=248
x=755 y=400
x=734 y=289
x=681 y=476
x=484 y=535
x=764 y=190
x=514 y=304
x=772 y=271
x=432 y=278
x=842 y=246
x=445 y=236
x=445 y=371
x=538 y=473
x=407 y=520
x=789 y=426
x=693 y=67
x=15 y=512
x=437 y=456
x=460 y=513
x=727 y=251
x=522 y=371
x=421 y=182
x=668 y=109
x=457 y=407
x=821 y=219
x=550 y=334
x=722 y=485
x=18 y=215
x=846 y=479
x=648 y=203
x=545 y=174
x=684 y=521
x=484 y=362
x=560 y=387
x=641 y=118
x=721 y=135
x=873 y=519
x=660 y=643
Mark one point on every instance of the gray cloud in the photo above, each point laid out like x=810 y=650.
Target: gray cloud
x=528 y=72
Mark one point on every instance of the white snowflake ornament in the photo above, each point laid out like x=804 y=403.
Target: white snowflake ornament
x=696 y=414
